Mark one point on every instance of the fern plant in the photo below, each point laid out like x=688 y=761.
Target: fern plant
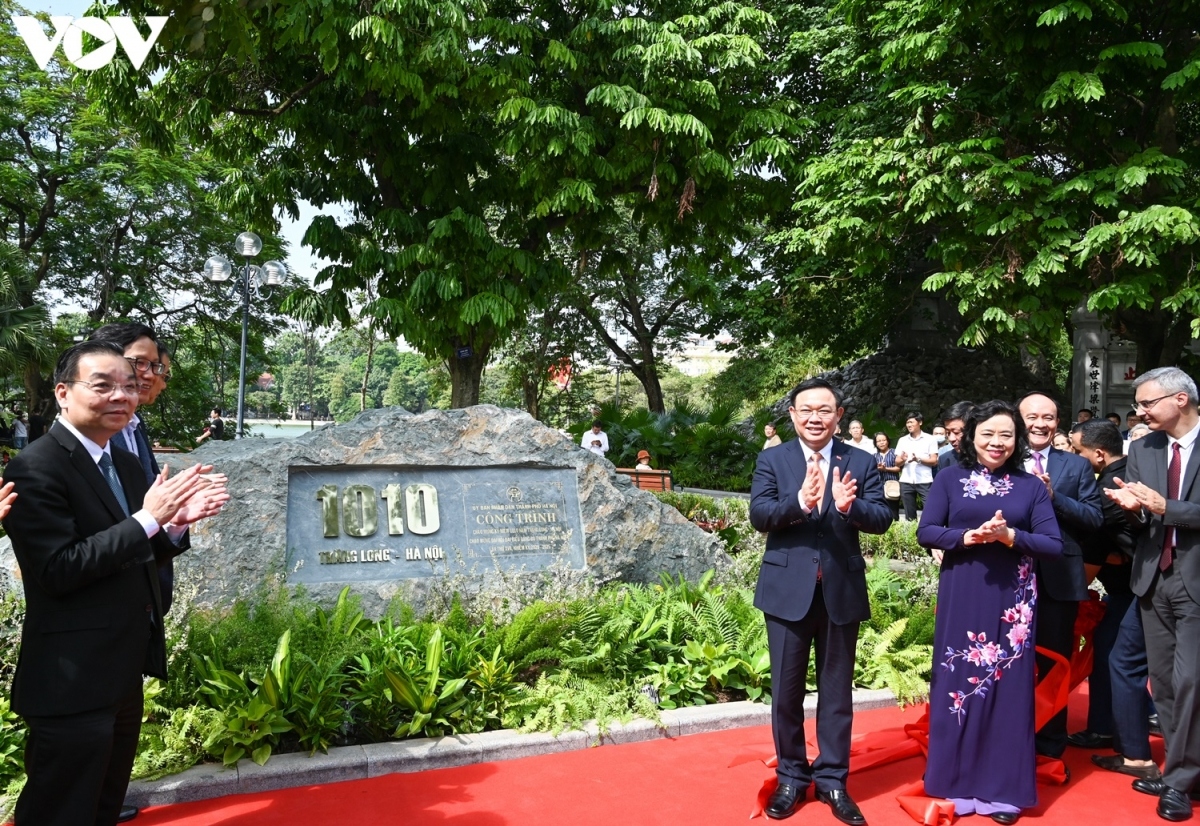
x=906 y=671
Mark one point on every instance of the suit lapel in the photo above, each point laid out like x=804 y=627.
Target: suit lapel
x=1054 y=464
x=1189 y=473
x=83 y=463
x=146 y=453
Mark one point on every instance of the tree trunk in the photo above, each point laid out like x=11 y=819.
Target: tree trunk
x=467 y=374
x=362 y=393
x=1160 y=335
x=531 y=392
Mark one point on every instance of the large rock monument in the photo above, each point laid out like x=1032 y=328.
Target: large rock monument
x=396 y=504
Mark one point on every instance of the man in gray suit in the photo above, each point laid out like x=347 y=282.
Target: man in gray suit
x=812 y=496
x=1161 y=496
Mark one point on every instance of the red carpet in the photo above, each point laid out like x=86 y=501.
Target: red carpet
x=700 y=779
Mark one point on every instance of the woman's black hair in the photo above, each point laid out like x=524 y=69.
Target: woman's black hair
x=967 y=456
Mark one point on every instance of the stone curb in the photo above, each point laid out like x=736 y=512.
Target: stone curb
x=286 y=771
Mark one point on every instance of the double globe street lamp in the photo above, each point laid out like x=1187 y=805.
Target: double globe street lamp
x=253 y=278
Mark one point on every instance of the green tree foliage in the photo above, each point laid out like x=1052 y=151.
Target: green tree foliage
x=1022 y=156
x=463 y=137
x=92 y=216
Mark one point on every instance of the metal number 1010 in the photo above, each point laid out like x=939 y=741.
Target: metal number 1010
x=359 y=509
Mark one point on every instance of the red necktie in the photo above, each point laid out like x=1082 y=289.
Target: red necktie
x=1164 y=561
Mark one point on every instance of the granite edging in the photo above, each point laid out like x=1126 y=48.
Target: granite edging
x=284 y=771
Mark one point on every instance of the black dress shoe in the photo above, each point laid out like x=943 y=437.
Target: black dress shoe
x=1174 y=805
x=1089 y=740
x=842 y=806
x=1116 y=763
x=1155 y=727
x=784 y=801
x=1006 y=817
x=127 y=813
x=1156 y=787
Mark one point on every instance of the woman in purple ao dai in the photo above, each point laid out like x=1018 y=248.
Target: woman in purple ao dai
x=985 y=521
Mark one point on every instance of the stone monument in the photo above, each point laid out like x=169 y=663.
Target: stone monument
x=394 y=504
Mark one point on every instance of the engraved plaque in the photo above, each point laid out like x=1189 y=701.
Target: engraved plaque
x=356 y=523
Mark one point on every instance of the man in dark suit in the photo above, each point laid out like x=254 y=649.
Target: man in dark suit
x=86 y=531
x=141 y=348
x=1118 y=707
x=954 y=420
x=1062 y=583
x=812 y=497
x=1160 y=493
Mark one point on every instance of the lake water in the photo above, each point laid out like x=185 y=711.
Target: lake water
x=273 y=428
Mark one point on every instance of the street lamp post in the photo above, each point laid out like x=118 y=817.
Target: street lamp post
x=219 y=269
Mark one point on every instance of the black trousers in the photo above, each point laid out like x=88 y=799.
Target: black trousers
x=790 y=642
x=908 y=495
x=1171 y=620
x=78 y=765
x=1056 y=631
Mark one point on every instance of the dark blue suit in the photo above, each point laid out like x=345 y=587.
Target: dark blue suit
x=801 y=611
x=1062 y=582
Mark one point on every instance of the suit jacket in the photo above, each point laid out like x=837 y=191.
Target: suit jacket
x=93 y=621
x=798 y=543
x=1115 y=536
x=1078 y=508
x=1147 y=463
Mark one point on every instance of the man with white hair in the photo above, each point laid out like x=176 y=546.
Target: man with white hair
x=1161 y=497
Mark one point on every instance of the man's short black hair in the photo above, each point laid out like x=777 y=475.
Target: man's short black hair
x=816 y=383
x=67 y=368
x=1100 y=433
x=124 y=333
x=1086 y=410
x=1133 y=414
x=217 y=410
x=916 y=414
x=598 y=424
x=958 y=411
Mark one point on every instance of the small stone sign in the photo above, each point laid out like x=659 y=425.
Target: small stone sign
x=362 y=523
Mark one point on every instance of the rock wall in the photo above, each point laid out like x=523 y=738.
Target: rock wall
x=628 y=534
x=893 y=382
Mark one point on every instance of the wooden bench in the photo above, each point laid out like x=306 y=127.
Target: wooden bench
x=649 y=479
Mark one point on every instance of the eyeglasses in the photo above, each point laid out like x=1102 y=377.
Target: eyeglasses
x=166 y=377
x=141 y=365
x=1146 y=404
x=807 y=412
x=104 y=388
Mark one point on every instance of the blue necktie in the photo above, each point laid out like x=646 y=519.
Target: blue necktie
x=109 y=470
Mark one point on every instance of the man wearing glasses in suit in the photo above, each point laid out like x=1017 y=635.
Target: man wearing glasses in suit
x=1160 y=494
x=87 y=531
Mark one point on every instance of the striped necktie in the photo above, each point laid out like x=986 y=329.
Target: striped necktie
x=109 y=470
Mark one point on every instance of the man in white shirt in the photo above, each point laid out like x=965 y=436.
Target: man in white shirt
x=858 y=440
x=917 y=456
x=595 y=440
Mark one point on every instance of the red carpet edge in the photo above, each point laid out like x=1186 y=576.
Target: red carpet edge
x=285 y=771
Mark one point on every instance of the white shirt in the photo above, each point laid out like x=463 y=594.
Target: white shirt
x=589 y=437
x=1185 y=455
x=1031 y=463
x=19 y=429
x=921 y=446
x=128 y=440
x=866 y=444
x=145 y=519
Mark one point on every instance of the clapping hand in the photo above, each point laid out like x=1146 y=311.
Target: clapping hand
x=994 y=530
x=813 y=487
x=845 y=490
x=1045 y=477
x=1135 y=496
x=7 y=497
x=185 y=497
